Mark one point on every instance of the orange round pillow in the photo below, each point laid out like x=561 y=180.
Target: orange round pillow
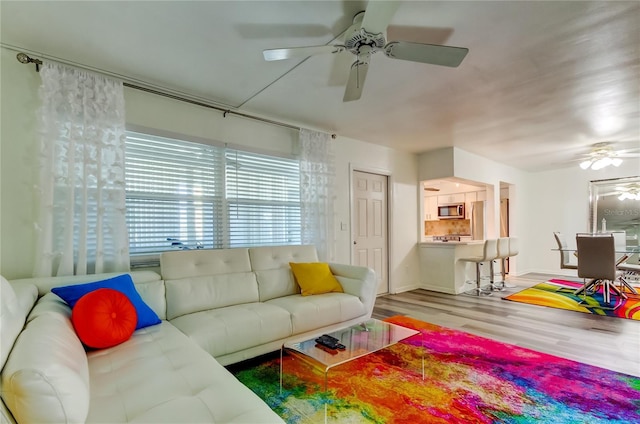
x=104 y=318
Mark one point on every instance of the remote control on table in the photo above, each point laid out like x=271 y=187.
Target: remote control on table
x=330 y=342
x=326 y=340
x=326 y=349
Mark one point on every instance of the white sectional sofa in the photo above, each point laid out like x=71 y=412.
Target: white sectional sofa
x=217 y=307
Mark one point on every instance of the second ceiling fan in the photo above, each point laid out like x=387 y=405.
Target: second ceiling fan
x=365 y=37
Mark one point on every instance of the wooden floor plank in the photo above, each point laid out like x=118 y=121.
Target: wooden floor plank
x=607 y=342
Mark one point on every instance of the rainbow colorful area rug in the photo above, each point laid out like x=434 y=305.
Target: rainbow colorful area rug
x=469 y=379
x=559 y=294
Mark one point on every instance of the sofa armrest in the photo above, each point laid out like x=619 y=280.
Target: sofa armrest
x=359 y=281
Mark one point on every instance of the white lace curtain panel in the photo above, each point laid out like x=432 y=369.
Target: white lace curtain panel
x=317 y=179
x=82 y=224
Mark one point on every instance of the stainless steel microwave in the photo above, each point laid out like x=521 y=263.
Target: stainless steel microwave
x=452 y=211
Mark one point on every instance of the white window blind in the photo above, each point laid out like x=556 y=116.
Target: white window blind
x=185 y=195
x=263 y=199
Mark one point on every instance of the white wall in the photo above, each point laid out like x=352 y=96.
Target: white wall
x=19 y=99
x=160 y=113
x=468 y=166
x=403 y=205
x=436 y=164
x=560 y=202
x=18 y=148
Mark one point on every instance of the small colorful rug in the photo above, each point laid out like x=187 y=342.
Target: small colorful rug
x=468 y=379
x=559 y=294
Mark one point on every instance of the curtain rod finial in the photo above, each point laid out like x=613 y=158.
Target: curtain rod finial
x=24 y=58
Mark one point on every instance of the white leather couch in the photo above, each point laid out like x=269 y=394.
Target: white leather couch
x=217 y=307
x=240 y=303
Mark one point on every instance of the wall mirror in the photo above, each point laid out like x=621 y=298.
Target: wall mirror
x=615 y=206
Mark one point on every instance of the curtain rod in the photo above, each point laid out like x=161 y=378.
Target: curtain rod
x=224 y=111
x=25 y=59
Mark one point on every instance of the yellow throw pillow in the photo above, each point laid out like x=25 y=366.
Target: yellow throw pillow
x=315 y=278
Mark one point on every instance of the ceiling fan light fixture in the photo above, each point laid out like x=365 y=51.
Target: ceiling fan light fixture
x=603 y=155
x=600 y=163
x=586 y=164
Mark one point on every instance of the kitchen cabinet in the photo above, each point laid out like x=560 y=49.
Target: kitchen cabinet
x=451 y=198
x=431 y=208
x=431 y=203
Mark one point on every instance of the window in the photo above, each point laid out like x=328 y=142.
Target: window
x=185 y=195
x=263 y=199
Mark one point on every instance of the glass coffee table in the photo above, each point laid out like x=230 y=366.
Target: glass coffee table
x=359 y=340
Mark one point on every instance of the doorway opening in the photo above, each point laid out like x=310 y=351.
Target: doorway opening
x=505 y=215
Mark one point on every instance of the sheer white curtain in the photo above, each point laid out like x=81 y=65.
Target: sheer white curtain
x=317 y=177
x=81 y=225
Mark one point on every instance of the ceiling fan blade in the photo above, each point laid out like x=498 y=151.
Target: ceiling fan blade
x=378 y=15
x=288 y=53
x=426 y=53
x=357 y=75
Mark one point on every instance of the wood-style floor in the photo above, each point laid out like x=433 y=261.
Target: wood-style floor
x=607 y=342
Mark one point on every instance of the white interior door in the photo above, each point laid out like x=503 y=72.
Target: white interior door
x=369 y=208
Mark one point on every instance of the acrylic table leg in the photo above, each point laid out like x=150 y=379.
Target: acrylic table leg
x=326 y=387
x=422 y=349
x=281 y=369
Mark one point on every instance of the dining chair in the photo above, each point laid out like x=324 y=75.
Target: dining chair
x=622 y=255
x=489 y=253
x=597 y=265
x=629 y=272
x=566 y=261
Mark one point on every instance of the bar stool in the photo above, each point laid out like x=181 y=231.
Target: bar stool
x=503 y=254
x=489 y=253
x=514 y=249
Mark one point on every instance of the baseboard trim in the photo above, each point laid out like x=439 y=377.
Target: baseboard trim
x=406 y=288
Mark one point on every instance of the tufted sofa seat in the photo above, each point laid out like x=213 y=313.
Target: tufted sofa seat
x=240 y=303
x=217 y=307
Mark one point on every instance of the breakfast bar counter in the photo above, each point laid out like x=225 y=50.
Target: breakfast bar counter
x=440 y=267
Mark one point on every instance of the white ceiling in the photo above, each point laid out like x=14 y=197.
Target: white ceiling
x=542 y=82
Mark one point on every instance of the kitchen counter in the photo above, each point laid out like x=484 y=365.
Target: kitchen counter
x=442 y=270
x=453 y=242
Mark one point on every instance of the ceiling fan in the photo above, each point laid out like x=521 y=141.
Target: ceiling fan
x=603 y=154
x=366 y=36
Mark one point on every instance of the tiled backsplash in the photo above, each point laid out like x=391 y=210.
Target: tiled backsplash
x=447 y=226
